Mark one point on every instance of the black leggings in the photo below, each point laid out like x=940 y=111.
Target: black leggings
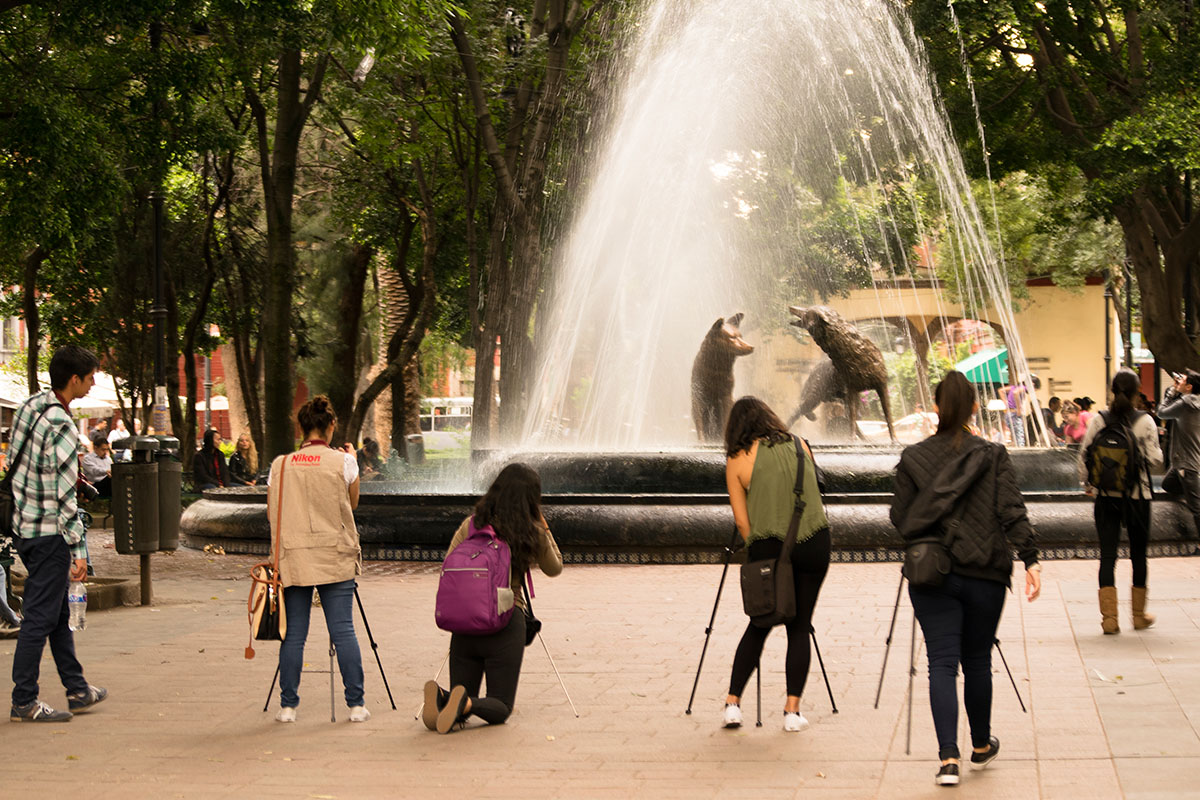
x=499 y=656
x=1110 y=512
x=810 y=562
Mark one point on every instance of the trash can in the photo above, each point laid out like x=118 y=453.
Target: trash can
x=135 y=499
x=414 y=446
x=170 y=481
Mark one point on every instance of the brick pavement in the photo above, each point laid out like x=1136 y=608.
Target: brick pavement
x=1108 y=716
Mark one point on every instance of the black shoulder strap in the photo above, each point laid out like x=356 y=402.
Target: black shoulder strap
x=12 y=467
x=954 y=518
x=798 y=507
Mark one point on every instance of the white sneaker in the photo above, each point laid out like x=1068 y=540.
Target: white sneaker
x=359 y=714
x=794 y=721
x=286 y=714
x=733 y=715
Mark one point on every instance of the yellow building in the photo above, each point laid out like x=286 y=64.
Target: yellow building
x=1062 y=332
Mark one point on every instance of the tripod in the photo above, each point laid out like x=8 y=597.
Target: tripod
x=553 y=666
x=729 y=548
x=332 y=652
x=912 y=664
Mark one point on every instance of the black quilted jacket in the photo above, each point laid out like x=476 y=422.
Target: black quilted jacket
x=993 y=522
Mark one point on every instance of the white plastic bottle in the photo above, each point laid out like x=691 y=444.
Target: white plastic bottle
x=77 y=600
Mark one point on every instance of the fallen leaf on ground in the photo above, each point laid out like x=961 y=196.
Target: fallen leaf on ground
x=549 y=738
x=72 y=758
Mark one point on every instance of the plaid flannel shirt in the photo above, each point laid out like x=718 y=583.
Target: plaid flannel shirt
x=44 y=483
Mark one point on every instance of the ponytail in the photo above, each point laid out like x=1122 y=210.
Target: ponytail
x=1125 y=387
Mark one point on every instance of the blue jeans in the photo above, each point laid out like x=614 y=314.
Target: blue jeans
x=1016 y=424
x=959 y=620
x=337 y=599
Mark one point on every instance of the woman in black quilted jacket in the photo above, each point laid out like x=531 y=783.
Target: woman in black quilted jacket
x=959 y=618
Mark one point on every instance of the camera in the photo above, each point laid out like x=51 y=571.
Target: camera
x=87 y=491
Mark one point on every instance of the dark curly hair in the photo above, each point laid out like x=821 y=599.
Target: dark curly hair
x=316 y=415
x=751 y=419
x=513 y=507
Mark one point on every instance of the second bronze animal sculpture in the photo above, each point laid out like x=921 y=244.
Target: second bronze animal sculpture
x=712 y=377
x=855 y=365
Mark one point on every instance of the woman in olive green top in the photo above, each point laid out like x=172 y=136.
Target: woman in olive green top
x=760 y=473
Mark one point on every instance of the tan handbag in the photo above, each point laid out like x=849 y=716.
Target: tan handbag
x=264 y=607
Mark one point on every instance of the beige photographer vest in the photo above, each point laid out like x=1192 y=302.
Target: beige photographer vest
x=318 y=541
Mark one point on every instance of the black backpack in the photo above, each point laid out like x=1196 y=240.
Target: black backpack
x=1113 y=461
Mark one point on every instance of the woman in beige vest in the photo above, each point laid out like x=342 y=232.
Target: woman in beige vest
x=513 y=508
x=311 y=499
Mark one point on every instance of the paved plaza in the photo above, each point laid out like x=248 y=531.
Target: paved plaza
x=1108 y=717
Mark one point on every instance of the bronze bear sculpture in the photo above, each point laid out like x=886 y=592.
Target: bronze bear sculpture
x=712 y=377
x=855 y=365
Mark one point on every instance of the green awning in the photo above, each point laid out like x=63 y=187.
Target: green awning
x=986 y=366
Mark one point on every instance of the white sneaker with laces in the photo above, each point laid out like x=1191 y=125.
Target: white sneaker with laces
x=733 y=715
x=286 y=714
x=794 y=721
x=359 y=714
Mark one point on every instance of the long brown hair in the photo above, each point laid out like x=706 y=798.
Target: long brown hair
x=751 y=419
x=513 y=507
x=955 y=398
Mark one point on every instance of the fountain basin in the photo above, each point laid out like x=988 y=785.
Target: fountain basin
x=671 y=508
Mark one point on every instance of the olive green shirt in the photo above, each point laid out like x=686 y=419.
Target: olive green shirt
x=770 y=498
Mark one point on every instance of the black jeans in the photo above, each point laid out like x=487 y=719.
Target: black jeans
x=1110 y=513
x=1190 y=480
x=810 y=562
x=959 y=620
x=48 y=561
x=498 y=655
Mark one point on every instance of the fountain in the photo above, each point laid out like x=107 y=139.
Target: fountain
x=758 y=154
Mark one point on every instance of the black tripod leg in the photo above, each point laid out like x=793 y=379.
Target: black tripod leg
x=1010 y=675
x=888 y=644
x=708 y=631
x=758 y=692
x=824 y=674
x=271 y=691
x=374 y=648
x=912 y=671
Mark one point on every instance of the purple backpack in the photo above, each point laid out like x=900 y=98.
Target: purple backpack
x=475 y=591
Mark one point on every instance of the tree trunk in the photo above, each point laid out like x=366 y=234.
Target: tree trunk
x=356 y=264
x=33 y=332
x=419 y=314
x=1160 y=284
x=513 y=271
x=278 y=166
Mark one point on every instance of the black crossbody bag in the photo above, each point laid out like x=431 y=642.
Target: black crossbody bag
x=768 y=588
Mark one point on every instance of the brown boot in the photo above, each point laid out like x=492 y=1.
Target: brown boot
x=1108 y=609
x=1140 y=618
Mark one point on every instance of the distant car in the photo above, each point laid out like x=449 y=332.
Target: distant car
x=910 y=429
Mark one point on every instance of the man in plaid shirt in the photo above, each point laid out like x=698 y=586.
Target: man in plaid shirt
x=50 y=536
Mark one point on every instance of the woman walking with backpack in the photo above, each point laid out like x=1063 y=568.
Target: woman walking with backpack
x=975 y=479
x=1122 y=494
x=311 y=498
x=761 y=462
x=511 y=511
